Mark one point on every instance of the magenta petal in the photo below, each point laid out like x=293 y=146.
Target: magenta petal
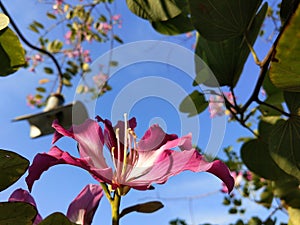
x=21 y=195
x=109 y=133
x=90 y=140
x=43 y=161
x=170 y=163
x=84 y=206
x=220 y=170
x=154 y=138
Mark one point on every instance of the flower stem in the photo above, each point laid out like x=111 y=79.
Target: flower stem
x=115 y=209
x=114 y=203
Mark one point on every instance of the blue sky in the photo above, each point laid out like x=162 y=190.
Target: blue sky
x=183 y=194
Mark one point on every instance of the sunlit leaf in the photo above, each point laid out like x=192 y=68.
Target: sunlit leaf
x=154 y=10
x=44 y=81
x=255 y=221
x=4 y=21
x=284 y=145
x=148 y=207
x=12 y=54
x=294 y=216
x=285 y=68
x=12 y=167
x=193 y=104
x=220 y=20
x=56 y=219
x=17 y=213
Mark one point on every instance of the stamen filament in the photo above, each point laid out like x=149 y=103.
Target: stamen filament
x=125 y=145
x=113 y=156
x=119 y=151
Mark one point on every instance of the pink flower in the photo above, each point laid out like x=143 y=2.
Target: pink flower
x=217 y=104
x=68 y=36
x=135 y=165
x=238 y=177
x=104 y=27
x=116 y=19
x=80 y=211
x=33 y=101
x=100 y=79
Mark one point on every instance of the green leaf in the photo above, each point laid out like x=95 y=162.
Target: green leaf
x=193 y=104
x=17 y=213
x=12 y=167
x=148 y=207
x=286 y=8
x=12 y=54
x=284 y=144
x=265 y=127
x=33 y=28
x=266 y=197
x=154 y=10
x=255 y=221
x=227 y=58
x=292 y=100
x=48 y=70
x=38 y=24
x=4 y=21
x=285 y=68
x=56 y=219
x=220 y=20
x=257 y=158
x=177 y=25
x=288 y=191
x=41 y=89
x=51 y=16
x=294 y=216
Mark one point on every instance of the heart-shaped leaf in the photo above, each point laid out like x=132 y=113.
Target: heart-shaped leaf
x=257 y=158
x=16 y=213
x=4 y=21
x=220 y=20
x=148 y=207
x=227 y=58
x=284 y=145
x=12 y=167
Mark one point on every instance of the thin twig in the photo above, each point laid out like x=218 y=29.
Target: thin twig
x=60 y=75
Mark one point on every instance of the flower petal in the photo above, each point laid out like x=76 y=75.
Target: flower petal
x=21 y=195
x=170 y=163
x=43 y=161
x=89 y=137
x=109 y=133
x=84 y=206
x=154 y=138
